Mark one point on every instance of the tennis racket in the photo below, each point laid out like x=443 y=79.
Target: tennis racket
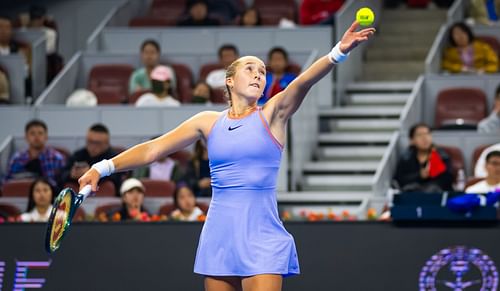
x=63 y=210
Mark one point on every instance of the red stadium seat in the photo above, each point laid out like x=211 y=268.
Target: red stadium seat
x=106 y=189
x=107 y=209
x=158 y=188
x=218 y=96
x=477 y=153
x=271 y=12
x=64 y=151
x=170 y=10
x=17 y=188
x=110 y=82
x=456 y=158
x=181 y=157
x=184 y=82
x=207 y=68
x=72 y=185
x=468 y=104
x=7 y=210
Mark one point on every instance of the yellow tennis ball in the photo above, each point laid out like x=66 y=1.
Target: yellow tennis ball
x=365 y=16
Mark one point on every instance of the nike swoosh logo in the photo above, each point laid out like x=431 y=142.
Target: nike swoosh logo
x=233 y=128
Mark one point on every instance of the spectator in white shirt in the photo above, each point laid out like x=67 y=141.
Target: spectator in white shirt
x=480 y=169
x=40 y=201
x=227 y=55
x=161 y=90
x=185 y=203
x=492 y=181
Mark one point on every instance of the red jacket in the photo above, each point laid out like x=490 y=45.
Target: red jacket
x=314 y=11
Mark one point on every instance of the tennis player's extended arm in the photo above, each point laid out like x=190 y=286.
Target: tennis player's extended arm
x=289 y=100
x=145 y=153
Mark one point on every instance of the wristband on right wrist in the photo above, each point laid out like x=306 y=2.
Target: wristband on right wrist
x=104 y=168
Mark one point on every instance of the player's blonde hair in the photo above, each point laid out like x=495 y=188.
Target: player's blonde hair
x=230 y=72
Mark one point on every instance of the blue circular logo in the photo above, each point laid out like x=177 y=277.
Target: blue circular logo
x=459 y=269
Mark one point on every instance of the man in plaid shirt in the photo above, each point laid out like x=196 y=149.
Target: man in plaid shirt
x=38 y=160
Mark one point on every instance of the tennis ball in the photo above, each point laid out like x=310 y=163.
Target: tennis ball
x=365 y=16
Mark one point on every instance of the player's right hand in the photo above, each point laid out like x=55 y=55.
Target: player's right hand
x=91 y=177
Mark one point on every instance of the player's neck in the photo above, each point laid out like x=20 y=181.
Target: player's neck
x=241 y=109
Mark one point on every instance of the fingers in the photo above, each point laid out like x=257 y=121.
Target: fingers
x=91 y=177
x=354 y=26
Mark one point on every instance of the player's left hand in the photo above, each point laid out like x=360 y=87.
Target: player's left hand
x=353 y=38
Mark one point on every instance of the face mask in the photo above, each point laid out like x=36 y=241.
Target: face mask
x=157 y=87
x=199 y=99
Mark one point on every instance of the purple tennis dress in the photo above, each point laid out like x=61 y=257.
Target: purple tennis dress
x=243 y=234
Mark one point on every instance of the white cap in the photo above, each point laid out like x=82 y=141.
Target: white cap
x=130 y=184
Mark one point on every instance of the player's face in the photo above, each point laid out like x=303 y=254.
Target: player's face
x=133 y=198
x=278 y=63
x=493 y=168
x=42 y=194
x=97 y=143
x=150 y=56
x=250 y=78
x=186 y=199
x=36 y=137
x=422 y=139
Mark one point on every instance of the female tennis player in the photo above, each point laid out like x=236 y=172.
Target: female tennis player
x=243 y=244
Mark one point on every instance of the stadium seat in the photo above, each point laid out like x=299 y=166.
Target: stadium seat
x=158 y=188
x=170 y=10
x=218 y=96
x=72 y=185
x=7 y=210
x=184 y=82
x=456 y=158
x=17 y=188
x=477 y=153
x=110 y=82
x=168 y=208
x=207 y=68
x=107 y=209
x=106 y=189
x=460 y=107
x=181 y=157
x=271 y=12
x=492 y=41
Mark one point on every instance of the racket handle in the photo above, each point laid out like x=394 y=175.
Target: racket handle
x=86 y=190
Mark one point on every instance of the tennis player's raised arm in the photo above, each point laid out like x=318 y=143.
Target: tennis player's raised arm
x=145 y=153
x=288 y=101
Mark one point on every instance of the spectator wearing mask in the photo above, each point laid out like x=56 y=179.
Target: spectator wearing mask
x=39 y=160
x=202 y=93
x=161 y=88
x=466 y=54
x=41 y=198
x=198 y=15
x=97 y=147
x=423 y=167
x=491 y=124
x=277 y=78
x=492 y=180
x=150 y=58
x=185 y=205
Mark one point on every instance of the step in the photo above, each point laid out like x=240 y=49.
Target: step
x=375 y=76
x=361 y=137
x=378 y=99
x=338 y=182
x=404 y=42
x=382 y=67
x=326 y=167
x=404 y=28
x=384 y=53
x=365 y=124
x=381 y=87
x=361 y=112
x=351 y=152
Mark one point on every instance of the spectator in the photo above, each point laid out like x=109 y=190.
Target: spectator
x=185 y=204
x=491 y=124
x=423 y=167
x=132 y=192
x=250 y=17
x=277 y=78
x=96 y=149
x=198 y=171
x=492 y=181
x=198 y=15
x=161 y=81
x=38 y=18
x=225 y=10
x=485 y=12
x=202 y=93
x=41 y=198
x=165 y=169
x=466 y=54
x=319 y=11
x=150 y=57
x=4 y=89
x=227 y=53
x=479 y=170
x=38 y=160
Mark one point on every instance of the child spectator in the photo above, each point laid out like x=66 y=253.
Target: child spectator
x=492 y=180
x=466 y=54
x=161 y=88
x=132 y=192
x=41 y=198
x=202 y=93
x=491 y=124
x=277 y=78
x=185 y=204
x=150 y=57
x=39 y=160
x=423 y=167
x=250 y=18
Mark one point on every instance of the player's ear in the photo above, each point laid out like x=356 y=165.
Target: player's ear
x=230 y=82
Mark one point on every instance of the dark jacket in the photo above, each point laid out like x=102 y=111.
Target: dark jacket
x=408 y=173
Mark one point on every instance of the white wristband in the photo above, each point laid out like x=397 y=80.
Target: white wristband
x=336 y=56
x=104 y=168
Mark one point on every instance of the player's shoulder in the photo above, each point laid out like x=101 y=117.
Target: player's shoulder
x=208 y=115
